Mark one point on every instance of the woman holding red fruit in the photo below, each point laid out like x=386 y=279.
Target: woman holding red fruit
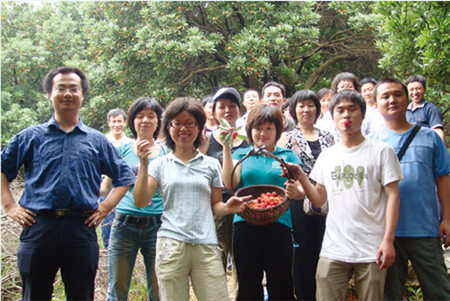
x=268 y=248
x=226 y=106
x=190 y=184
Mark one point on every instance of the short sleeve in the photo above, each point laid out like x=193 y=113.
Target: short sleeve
x=435 y=119
x=441 y=162
x=217 y=174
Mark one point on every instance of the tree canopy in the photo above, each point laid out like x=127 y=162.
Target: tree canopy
x=167 y=49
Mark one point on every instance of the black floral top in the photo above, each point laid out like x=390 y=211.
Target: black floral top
x=298 y=143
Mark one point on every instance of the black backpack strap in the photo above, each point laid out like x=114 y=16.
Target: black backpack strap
x=408 y=141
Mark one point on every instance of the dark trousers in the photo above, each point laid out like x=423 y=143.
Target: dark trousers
x=427 y=258
x=308 y=231
x=263 y=248
x=58 y=243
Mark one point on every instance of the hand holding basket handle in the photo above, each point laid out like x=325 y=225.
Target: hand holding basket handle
x=292 y=171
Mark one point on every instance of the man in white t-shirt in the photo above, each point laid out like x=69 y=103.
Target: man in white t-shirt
x=117 y=120
x=373 y=120
x=359 y=177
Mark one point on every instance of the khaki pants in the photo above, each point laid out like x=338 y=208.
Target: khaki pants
x=177 y=261
x=332 y=278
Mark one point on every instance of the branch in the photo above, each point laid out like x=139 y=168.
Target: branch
x=313 y=77
x=207 y=69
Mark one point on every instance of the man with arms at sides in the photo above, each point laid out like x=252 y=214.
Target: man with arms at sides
x=425 y=165
x=420 y=110
x=63 y=161
x=359 y=177
x=274 y=94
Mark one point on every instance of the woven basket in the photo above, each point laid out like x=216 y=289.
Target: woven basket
x=264 y=216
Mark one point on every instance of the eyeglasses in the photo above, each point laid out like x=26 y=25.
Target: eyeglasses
x=178 y=124
x=63 y=90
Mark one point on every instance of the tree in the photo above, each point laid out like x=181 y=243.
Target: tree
x=34 y=40
x=415 y=39
x=167 y=49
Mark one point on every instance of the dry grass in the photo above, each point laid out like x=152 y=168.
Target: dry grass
x=11 y=284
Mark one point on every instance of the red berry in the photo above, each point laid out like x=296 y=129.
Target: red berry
x=346 y=122
x=235 y=135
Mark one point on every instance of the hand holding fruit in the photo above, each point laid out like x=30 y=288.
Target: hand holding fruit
x=237 y=204
x=228 y=134
x=143 y=151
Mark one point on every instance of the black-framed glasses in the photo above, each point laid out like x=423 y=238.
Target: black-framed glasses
x=70 y=90
x=179 y=124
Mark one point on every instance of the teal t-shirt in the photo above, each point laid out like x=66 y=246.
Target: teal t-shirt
x=259 y=170
x=126 y=205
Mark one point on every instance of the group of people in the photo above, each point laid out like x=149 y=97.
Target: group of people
x=356 y=203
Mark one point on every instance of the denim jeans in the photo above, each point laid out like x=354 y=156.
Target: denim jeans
x=106 y=226
x=125 y=241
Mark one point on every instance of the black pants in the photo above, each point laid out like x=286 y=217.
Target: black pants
x=308 y=231
x=263 y=248
x=58 y=243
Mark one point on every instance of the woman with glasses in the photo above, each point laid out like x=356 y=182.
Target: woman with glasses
x=191 y=188
x=134 y=228
x=268 y=248
x=308 y=229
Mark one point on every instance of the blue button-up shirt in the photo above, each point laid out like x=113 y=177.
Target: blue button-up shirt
x=63 y=170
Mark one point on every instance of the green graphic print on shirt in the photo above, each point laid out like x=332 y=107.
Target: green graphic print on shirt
x=348 y=176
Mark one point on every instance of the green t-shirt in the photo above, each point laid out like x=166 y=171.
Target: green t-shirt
x=259 y=170
x=126 y=204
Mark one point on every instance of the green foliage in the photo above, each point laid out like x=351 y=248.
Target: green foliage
x=169 y=49
x=414 y=38
x=414 y=294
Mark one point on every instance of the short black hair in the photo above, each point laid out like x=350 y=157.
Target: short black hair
x=207 y=99
x=388 y=81
x=116 y=112
x=251 y=90
x=140 y=104
x=177 y=106
x=261 y=114
x=417 y=78
x=368 y=80
x=48 y=79
x=322 y=92
x=301 y=96
x=352 y=95
x=275 y=84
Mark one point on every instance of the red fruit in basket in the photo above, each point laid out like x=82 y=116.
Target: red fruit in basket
x=266 y=200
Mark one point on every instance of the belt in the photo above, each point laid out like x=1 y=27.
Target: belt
x=142 y=221
x=65 y=213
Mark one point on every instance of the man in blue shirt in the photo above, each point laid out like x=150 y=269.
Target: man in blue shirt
x=63 y=162
x=421 y=111
x=425 y=165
